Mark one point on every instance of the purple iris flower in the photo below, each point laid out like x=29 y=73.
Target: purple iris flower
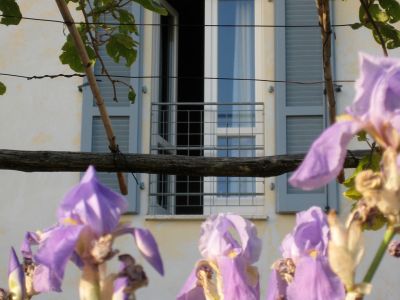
x=304 y=271
x=229 y=246
x=88 y=222
x=16 y=277
x=376 y=109
x=37 y=276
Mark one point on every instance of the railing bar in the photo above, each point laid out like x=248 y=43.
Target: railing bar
x=207 y=103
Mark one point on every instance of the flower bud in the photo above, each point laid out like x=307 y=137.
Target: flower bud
x=394 y=248
x=16 y=278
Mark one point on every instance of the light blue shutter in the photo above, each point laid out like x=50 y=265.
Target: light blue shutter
x=125 y=117
x=300 y=109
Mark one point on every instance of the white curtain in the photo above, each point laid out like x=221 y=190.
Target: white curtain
x=243 y=90
x=243 y=64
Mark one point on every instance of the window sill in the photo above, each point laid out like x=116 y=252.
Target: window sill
x=197 y=217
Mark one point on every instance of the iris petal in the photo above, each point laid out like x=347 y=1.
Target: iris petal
x=216 y=239
x=314 y=280
x=55 y=251
x=31 y=238
x=276 y=288
x=92 y=204
x=325 y=158
x=147 y=246
x=119 y=285
x=43 y=282
x=190 y=290
x=236 y=282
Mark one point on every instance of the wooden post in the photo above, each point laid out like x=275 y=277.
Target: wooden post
x=69 y=21
x=323 y=9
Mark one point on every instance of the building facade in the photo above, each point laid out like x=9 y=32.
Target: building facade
x=206 y=79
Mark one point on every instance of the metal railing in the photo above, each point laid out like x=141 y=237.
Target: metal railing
x=206 y=129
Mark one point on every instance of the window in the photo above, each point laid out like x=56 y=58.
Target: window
x=212 y=104
x=207 y=117
x=234 y=120
x=125 y=118
x=300 y=109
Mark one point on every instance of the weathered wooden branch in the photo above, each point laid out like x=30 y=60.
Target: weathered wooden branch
x=81 y=49
x=323 y=8
x=57 y=161
x=324 y=15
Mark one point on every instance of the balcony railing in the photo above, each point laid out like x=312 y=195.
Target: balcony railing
x=206 y=129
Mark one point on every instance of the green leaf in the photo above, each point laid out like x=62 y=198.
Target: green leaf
x=362 y=136
x=3 y=88
x=153 y=6
x=367 y=162
x=352 y=193
x=390 y=35
x=392 y=8
x=70 y=56
x=125 y=17
x=356 y=26
x=378 y=15
x=132 y=96
x=122 y=45
x=10 y=8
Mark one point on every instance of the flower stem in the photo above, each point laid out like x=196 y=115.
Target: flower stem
x=89 y=288
x=389 y=234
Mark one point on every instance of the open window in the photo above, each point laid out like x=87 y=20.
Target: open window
x=200 y=116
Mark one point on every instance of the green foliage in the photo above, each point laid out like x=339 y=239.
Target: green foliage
x=384 y=13
x=153 y=6
x=390 y=35
x=368 y=162
x=375 y=219
x=392 y=8
x=132 y=95
x=2 y=88
x=10 y=8
x=122 y=45
x=113 y=27
x=362 y=136
x=126 y=17
x=70 y=56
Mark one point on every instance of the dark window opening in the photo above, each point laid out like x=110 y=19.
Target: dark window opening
x=189 y=189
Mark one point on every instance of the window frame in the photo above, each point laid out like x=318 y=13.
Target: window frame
x=156 y=138
x=212 y=131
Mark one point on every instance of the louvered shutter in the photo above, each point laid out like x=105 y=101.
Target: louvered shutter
x=300 y=109
x=125 y=118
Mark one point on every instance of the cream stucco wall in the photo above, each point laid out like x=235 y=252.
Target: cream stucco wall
x=46 y=115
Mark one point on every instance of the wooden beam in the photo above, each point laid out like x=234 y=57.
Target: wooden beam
x=58 y=161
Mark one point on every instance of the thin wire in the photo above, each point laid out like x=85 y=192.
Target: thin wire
x=175 y=25
x=52 y=76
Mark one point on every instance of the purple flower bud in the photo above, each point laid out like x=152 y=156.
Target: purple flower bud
x=16 y=277
x=394 y=248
